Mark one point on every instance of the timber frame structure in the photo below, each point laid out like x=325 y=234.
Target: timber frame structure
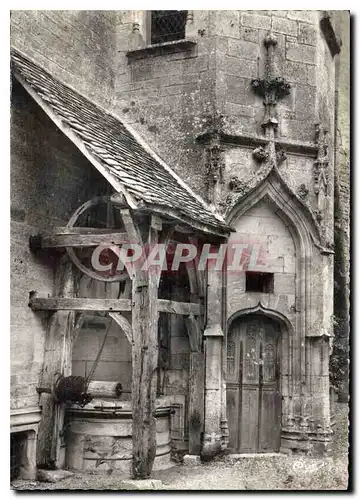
x=142 y=333
x=144 y=223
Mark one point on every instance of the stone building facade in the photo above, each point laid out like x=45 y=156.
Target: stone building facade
x=242 y=106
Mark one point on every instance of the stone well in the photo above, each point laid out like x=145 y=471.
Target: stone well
x=99 y=436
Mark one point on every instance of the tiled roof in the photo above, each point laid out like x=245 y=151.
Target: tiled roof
x=118 y=149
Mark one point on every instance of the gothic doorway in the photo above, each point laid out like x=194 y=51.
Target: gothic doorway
x=253 y=385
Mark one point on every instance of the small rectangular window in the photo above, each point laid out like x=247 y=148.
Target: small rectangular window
x=259 y=282
x=167 y=25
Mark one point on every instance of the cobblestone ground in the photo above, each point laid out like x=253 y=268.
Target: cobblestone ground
x=259 y=473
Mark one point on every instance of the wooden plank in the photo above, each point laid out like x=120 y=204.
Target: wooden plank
x=184 y=308
x=144 y=364
x=77 y=240
x=124 y=325
x=79 y=304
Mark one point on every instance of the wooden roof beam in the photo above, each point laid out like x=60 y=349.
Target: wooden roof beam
x=77 y=238
x=108 y=305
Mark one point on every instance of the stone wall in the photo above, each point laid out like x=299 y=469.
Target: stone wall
x=270 y=249
x=49 y=180
x=77 y=46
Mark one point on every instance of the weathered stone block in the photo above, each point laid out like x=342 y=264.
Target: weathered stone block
x=297 y=72
x=239 y=110
x=284 y=283
x=301 y=53
x=240 y=67
x=238 y=90
x=192 y=460
x=243 y=49
x=307 y=34
x=305 y=102
x=249 y=34
x=255 y=21
x=309 y=16
x=285 y=26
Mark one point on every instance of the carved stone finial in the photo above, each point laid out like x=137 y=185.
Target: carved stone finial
x=135 y=27
x=271 y=88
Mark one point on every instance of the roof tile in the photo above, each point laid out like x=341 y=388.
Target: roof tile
x=112 y=143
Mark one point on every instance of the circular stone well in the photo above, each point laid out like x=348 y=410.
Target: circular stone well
x=99 y=436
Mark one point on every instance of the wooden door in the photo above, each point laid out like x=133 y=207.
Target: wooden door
x=253 y=385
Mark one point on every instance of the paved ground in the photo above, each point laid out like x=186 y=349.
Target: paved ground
x=259 y=473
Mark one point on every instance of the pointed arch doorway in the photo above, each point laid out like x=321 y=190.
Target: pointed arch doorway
x=253 y=395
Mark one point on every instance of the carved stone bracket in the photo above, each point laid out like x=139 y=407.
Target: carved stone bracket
x=280 y=156
x=260 y=154
x=302 y=191
x=237 y=185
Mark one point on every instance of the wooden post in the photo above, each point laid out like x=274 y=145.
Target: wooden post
x=57 y=359
x=196 y=385
x=144 y=356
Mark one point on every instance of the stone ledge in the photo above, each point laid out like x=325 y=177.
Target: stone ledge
x=25 y=418
x=160 y=49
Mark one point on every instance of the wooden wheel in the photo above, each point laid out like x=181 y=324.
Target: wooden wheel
x=119 y=275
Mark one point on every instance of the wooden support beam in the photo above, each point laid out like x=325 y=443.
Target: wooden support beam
x=194 y=333
x=57 y=359
x=144 y=361
x=79 y=304
x=196 y=383
x=132 y=230
x=124 y=325
x=196 y=401
x=77 y=239
x=108 y=305
x=183 y=308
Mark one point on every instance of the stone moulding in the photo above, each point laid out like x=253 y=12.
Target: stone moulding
x=161 y=49
x=261 y=309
